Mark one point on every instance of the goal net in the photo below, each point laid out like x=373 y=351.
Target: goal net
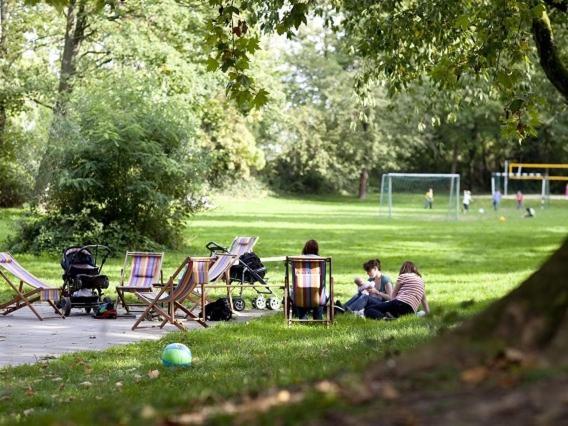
x=428 y=195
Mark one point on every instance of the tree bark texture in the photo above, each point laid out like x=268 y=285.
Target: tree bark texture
x=548 y=54
x=74 y=36
x=76 y=25
x=363 y=180
x=4 y=15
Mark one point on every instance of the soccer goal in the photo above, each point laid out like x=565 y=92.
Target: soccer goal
x=420 y=194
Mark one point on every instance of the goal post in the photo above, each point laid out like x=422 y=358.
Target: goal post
x=430 y=194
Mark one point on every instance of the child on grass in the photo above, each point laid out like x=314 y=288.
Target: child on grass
x=377 y=286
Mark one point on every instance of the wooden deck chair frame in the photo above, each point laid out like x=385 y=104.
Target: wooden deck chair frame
x=171 y=297
x=329 y=312
x=237 y=249
x=122 y=288
x=26 y=298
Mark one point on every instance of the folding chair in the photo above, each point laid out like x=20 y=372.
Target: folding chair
x=307 y=287
x=221 y=268
x=145 y=270
x=41 y=291
x=193 y=272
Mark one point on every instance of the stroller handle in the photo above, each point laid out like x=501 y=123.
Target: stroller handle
x=213 y=247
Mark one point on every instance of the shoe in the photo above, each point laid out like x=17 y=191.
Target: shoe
x=338 y=303
x=360 y=313
x=389 y=317
x=338 y=310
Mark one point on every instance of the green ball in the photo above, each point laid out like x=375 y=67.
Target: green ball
x=176 y=355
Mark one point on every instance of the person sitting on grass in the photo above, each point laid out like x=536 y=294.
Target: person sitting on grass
x=409 y=293
x=377 y=286
x=311 y=248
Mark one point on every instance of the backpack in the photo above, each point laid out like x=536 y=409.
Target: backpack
x=105 y=310
x=218 y=310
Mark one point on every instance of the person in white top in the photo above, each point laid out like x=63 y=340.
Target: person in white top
x=466 y=200
x=409 y=293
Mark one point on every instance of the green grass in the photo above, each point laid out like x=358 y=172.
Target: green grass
x=477 y=258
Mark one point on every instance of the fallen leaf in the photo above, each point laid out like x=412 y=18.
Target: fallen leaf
x=118 y=385
x=86 y=384
x=147 y=412
x=514 y=355
x=388 y=391
x=30 y=391
x=28 y=411
x=475 y=375
x=153 y=374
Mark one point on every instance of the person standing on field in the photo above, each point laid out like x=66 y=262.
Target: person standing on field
x=429 y=199
x=496 y=199
x=520 y=199
x=466 y=200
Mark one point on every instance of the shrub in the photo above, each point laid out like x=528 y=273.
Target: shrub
x=127 y=176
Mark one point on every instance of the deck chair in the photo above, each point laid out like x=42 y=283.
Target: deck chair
x=40 y=290
x=221 y=268
x=305 y=286
x=145 y=270
x=192 y=273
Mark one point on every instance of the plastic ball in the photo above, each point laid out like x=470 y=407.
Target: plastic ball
x=481 y=210
x=176 y=355
x=502 y=219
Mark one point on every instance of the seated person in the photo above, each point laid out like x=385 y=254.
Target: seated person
x=407 y=296
x=378 y=286
x=311 y=248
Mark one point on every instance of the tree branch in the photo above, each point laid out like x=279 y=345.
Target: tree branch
x=550 y=60
x=561 y=5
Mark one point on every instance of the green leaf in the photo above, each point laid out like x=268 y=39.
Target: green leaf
x=261 y=98
x=212 y=64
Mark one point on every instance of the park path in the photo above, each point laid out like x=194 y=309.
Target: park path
x=25 y=340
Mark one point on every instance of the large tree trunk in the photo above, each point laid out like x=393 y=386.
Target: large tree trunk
x=76 y=26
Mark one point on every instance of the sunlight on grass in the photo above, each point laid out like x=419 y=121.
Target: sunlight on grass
x=466 y=264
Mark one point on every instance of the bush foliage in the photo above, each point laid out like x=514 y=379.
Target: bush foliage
x=129 y=176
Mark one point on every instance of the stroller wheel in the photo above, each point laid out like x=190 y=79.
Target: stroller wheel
x=239 y=304
x=88 y=310
x=273 y=303
x=259 y=302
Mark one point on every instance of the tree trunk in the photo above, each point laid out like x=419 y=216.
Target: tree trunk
x=76 y=25
x=4 y=15
x=363 y=180
x=548 y=54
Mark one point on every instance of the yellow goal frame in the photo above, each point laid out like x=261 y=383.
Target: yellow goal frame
x=513 y=175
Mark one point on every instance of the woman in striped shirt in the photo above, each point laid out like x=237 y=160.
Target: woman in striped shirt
x=408 y=295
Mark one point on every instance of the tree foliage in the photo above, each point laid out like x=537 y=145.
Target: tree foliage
x=129 y=176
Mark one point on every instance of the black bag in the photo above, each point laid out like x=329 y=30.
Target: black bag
x=218 y=310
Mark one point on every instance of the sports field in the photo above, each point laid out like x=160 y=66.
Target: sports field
x=466 y=264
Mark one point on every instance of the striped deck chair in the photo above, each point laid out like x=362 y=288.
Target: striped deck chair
x=193 y=272
x=40 y=290
x=145 y=270
x=307 y=287
x=220 y=270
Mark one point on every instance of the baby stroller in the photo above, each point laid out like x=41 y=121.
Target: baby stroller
x=248 y=270
x=82 y=279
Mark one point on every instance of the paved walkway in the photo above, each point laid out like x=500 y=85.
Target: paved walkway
x=24 y=339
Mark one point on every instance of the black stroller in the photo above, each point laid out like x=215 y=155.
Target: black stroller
x=248 y=270
x=82 y=279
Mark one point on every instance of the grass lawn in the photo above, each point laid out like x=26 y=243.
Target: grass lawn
x=465 y=263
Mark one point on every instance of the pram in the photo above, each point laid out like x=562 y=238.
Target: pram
x=248 y=270
x=82 y=279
